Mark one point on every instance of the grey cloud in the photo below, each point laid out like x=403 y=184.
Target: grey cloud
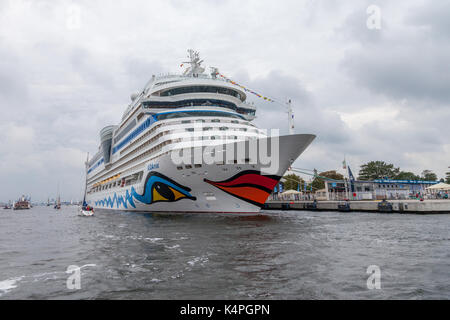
x=406 y=62
x=401 y=61
x=309 y=118
x=13 y=79
x=416 y=71
x=140 y=71
x=434 y=16
x=355 y=26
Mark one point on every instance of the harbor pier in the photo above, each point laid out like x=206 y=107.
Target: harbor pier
x=390 y=206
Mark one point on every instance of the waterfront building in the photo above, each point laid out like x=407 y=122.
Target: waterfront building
x=374 y=190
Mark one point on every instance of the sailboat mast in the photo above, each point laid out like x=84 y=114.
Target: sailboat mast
x=290 y=117
x=58 y=196
x=85 y=184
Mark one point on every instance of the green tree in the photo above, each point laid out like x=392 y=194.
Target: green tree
x=318 y=183
x=447 y=177
x=292 y=182
x=405 y=175
x=377 y=170
x=429 y=175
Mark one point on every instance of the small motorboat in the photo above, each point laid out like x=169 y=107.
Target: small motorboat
x=344 y=206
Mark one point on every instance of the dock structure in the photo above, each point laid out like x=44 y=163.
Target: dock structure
x=390 y=206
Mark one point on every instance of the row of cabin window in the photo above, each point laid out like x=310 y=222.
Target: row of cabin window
x=184 y=122
x=393 y=186
x=142 y=137
x=211 y=138
x=133 y=124
x=203 y=121
x=188 y=166
x=221 y=129
x=145 y=154
x=198 y=89
x=153 y=139
x=187 y=129
x=135 y=159
x=122 y=183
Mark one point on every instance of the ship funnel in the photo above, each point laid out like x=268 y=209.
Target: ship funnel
x=106 y=140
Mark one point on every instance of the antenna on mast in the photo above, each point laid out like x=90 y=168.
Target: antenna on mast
x=290 y=117
x=214 y=72
x=195 y=69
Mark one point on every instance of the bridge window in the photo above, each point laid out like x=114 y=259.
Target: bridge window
x=197 y=89
x=185 y=114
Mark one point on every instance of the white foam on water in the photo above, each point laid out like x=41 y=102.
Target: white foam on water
x=154 y=239
x=203 y=259
x=135 y=237
x=7 y=285
x=110 y=236
x=182 y=238
x=173 y=247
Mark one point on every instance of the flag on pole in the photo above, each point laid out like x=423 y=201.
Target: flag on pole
x=344 y=164
x=351 y=178
x=350 y=174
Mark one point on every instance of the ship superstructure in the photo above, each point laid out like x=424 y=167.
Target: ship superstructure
x=22 y=204
x=134 y=168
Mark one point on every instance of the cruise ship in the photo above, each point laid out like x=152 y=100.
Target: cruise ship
x=186 y=143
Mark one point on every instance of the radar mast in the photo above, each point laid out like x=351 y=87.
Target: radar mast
x=195 y=69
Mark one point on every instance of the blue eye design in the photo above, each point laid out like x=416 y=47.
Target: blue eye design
x=159 y=188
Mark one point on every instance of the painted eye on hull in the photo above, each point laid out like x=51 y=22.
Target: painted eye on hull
x=162 y=192
x=159 y=188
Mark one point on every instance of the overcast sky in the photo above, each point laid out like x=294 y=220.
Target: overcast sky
x=67 y=69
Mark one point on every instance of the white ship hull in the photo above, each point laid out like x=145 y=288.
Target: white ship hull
x=226 y=188
x=140 y=165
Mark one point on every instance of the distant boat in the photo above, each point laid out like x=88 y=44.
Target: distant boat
x=22 y=204
x=58 y=201
x=58 y=204
x=86 y=210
